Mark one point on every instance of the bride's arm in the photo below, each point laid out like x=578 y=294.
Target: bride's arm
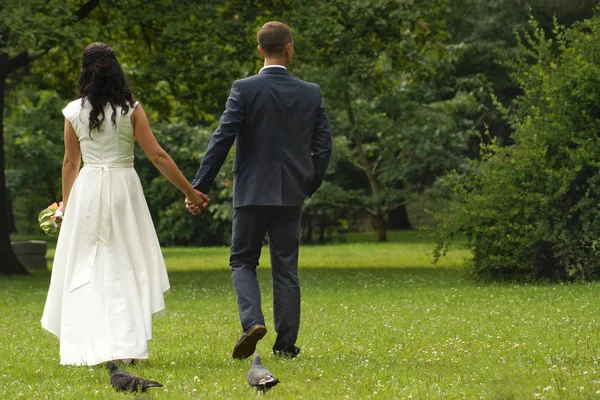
x=71 y=162
x=161 y=160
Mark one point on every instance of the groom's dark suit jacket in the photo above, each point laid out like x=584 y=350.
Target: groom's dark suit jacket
x=283 y=143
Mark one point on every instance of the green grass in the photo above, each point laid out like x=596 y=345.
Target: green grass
x=379 y=321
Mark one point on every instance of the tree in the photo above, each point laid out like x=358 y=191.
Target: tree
x=488 y=28
x=181 y=60
x=28 y=29
x=183 y=56
x=34 y=153
x=378 y=64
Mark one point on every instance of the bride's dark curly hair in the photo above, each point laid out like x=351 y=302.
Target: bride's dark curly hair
x=102 y=81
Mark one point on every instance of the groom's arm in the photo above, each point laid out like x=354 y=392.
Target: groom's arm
x=320 y=148
x=221 y=140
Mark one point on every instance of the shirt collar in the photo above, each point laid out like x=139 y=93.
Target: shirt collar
x=272 y=66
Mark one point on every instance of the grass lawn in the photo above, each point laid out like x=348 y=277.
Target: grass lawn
x=379 y=321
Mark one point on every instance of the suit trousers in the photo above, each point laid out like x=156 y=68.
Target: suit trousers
x=282 y=225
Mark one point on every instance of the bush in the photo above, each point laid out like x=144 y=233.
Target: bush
x=34 y=152
x=531 y=211
x=174 y=224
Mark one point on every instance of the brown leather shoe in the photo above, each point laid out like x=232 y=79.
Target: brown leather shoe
x=245 y=347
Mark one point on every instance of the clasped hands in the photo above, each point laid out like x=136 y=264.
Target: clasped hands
x=196 y=201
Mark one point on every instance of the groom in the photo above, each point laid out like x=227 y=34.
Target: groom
x=283 y=146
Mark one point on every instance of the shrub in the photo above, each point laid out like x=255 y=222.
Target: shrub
x=174 y=224
x=531 y=211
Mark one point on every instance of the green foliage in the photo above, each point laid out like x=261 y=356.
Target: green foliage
x=35 y=26
x=34 y=149
x=405 y=83
x=532 y=210
x=435 y=119
x=174 y=224
x=400 y=115
x=488 y=27
x=181 y=59
x=183 y=56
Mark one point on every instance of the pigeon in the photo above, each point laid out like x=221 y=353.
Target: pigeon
x=124 y=381
x=259 y=377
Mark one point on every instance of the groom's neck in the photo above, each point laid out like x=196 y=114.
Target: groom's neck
x=275 y=61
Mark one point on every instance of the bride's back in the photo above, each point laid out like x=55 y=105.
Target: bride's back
x=112 y=144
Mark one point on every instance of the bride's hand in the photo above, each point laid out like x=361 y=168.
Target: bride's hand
x=196 y=201
x=61 y=208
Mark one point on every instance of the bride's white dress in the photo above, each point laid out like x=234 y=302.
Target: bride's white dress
x=108 y=276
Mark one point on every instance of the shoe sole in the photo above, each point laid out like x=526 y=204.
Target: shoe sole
x=247 y=344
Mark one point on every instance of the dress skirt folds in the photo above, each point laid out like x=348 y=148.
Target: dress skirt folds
x=108 y=275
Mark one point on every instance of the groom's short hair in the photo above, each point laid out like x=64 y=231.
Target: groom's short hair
x=272 y=38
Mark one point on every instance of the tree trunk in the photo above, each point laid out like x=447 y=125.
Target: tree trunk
x=322 y=228
x=10 y=265
x=358 y=141
x=308 y=224
x=398 y=218
x=381 y=226
x=12 y=226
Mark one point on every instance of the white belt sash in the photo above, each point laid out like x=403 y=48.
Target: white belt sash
x=97 y=224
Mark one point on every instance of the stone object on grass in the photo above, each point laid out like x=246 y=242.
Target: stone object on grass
x=31 y=253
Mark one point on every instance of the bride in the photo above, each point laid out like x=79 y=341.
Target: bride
x=108 y=276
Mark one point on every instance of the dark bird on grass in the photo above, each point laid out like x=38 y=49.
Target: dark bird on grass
x=124 y=381
x=259 y=377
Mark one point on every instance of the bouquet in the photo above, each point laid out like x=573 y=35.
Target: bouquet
x=50 y=219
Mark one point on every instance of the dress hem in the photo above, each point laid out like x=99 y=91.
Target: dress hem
x=103 y=361
x=155 y=314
